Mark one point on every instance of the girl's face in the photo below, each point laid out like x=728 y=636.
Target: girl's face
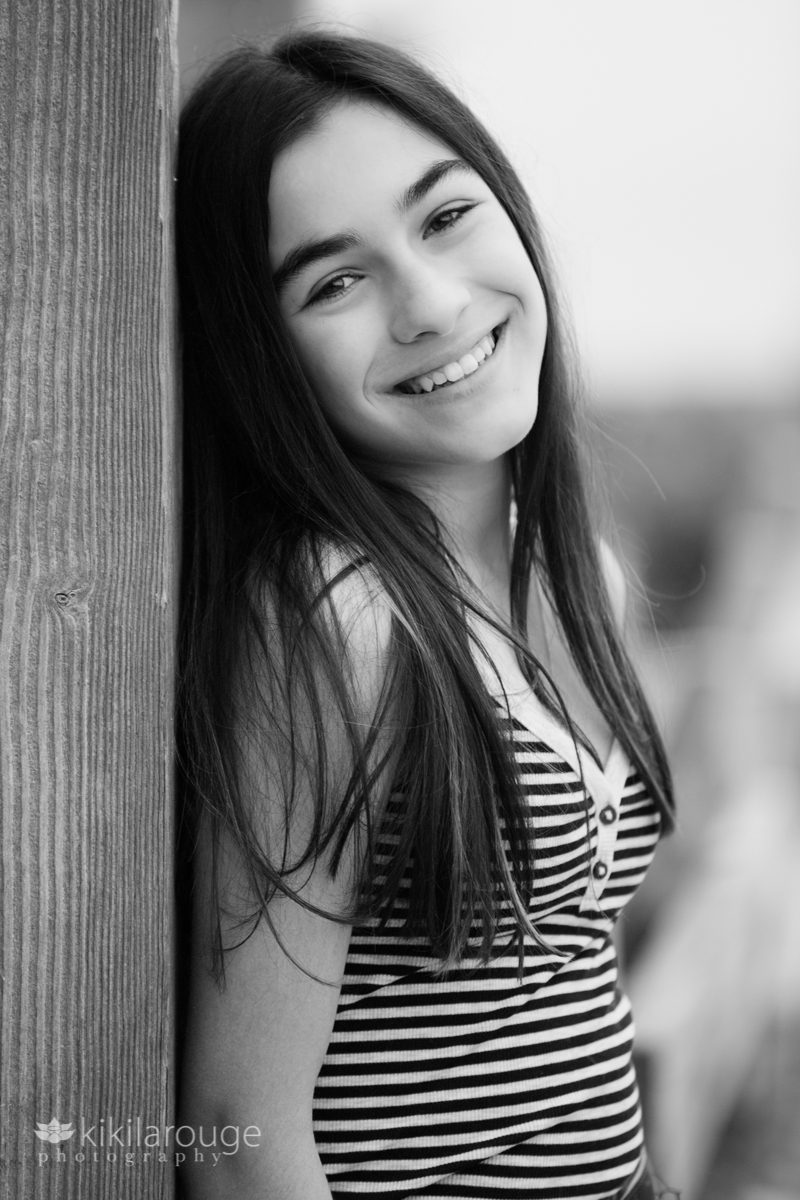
x=410 y=300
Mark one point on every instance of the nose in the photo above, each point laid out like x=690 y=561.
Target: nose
x=426 y=299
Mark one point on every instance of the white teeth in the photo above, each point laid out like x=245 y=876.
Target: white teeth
x=453 y=371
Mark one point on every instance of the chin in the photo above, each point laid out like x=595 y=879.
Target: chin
x=494 y=445
x=504 y=438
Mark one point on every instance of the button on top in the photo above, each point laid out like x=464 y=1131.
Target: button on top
x=608 y=814
x=599 y=870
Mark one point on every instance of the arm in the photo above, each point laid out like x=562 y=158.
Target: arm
x=254 y=1049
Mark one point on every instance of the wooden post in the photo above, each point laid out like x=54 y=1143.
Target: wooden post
x=88 y=573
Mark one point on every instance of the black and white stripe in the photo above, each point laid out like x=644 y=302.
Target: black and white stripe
x=477 y=1084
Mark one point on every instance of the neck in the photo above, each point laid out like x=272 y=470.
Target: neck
x=472 y=503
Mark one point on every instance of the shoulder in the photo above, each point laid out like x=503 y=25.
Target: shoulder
x=328 y=584
x=313 y=686
x=615 y=581
x=352 y=609
x=351 y=591
x=326 y=623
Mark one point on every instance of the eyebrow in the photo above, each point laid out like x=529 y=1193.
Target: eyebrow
x=427 y=182
x=310 y=252
x=306 y=253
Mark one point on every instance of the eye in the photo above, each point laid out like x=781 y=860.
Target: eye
x=333 y=288
x=446 y=218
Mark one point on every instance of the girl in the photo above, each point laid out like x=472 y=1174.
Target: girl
x=423 y=778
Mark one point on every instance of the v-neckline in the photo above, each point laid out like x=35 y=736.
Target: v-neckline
x=606 y=782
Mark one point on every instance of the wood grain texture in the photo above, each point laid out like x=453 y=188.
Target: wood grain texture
x=88 y=574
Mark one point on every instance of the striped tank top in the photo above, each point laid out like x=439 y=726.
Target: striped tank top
x=476 y=1083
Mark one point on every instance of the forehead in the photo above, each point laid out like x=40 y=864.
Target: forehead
x=353 y=165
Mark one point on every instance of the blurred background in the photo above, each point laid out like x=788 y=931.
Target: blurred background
x=660 y=145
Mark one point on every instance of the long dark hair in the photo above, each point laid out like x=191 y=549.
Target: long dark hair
x=269 y=490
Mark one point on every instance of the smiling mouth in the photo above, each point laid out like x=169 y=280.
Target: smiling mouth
x=453 y=372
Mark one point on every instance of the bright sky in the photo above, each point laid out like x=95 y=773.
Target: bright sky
x=661 y=145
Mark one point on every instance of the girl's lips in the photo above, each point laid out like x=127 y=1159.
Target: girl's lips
x=455 y=370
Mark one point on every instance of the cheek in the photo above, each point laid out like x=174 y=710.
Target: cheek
x=518 y=277
x=333 y=366
x=508 y=269
x=336 y=362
